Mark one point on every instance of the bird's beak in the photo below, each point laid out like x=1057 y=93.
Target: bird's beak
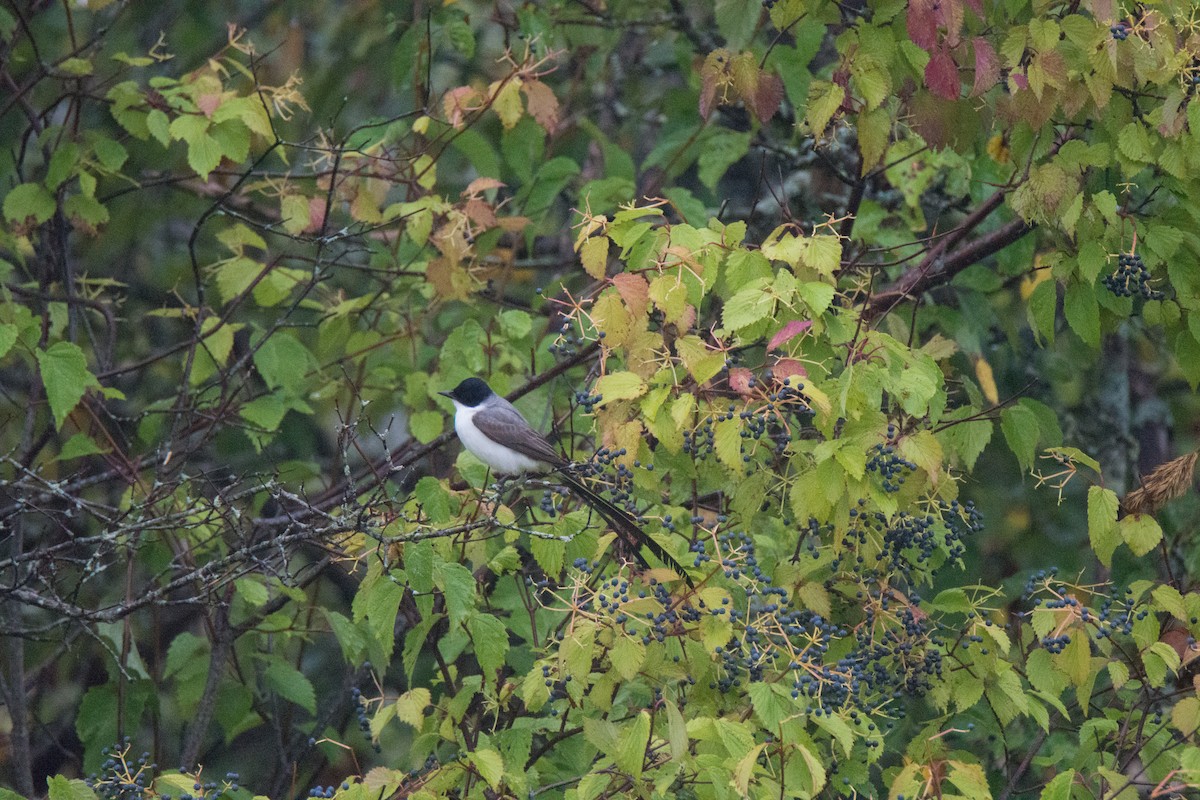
x=446 y=394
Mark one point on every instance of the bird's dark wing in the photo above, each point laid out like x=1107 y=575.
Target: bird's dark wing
x=507 y=426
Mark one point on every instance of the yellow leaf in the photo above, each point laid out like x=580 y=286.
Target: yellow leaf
x=987 y=381
x=506 y=102
x=594 y=255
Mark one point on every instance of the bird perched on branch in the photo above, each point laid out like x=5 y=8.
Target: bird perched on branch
x=494 y=431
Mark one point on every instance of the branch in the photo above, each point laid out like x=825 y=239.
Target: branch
x=935 y=270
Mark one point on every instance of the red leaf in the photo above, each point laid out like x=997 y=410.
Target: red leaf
x=941 y=75
x=788 y=332
x=788 y=368
x=987 y=67
x=768 y=98
x=922 y=24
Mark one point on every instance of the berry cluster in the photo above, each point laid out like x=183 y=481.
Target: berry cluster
x=587 y=401
x=1120 y=31
x=891 y=654
x=1131 y=277
x=890 y=467
x=1114 y=616
x=360 y=711
x=119 y=778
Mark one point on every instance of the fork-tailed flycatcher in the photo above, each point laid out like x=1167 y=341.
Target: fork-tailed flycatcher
x=494 y=431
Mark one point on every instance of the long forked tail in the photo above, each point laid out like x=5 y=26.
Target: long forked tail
x=625 y=526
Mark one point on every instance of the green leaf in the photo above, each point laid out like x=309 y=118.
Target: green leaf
x=78 y=446
x=1083 y=312
x=619 y=386
x=62 y=165
x=8 y=337
x=290 y=684
x=65 y=375
x=69 y=789
x=29 y=201
x=458 y=586
x=434 y=499
x=490 y=765
x=1102 y=505
x=110 y=153
x=490 y=638
x=816 y=295
x=426 y=425
x=283 y=362
x=824 y=99
x=720 y=152
x=630 y=752
x=1020 y=428
x=1043 y=307
x=1141 y=532
x=750 y=305
x=627 y=656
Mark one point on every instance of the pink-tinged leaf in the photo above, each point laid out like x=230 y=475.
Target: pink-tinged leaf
x=941 y=75
x=542 y=104
x=788 y=368
x=949 y=15
x=634 y=291
x=208 y=103
x=1020 y=81
x=922 y=24
x=769 y=96
x=977 y=7
x=788 y=332
x=987 y=66
x=458 y=103
x=739 y=380
x=316 y=214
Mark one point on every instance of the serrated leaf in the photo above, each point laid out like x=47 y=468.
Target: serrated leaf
x=1083 y=312
x=1020 y=428
x=63 y=367
x=594 y=256
x=290 y=684
x=627 y=656
x=824 y=99
x=1102 y=505
x=1141 y=532
x=490 y=638
x=29 y=201
x=619 y=386
x=630 y=752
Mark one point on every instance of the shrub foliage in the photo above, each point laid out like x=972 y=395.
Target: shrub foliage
x=788 y=280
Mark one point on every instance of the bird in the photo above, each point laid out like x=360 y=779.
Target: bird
x=495 y=432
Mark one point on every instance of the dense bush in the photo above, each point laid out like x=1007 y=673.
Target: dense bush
x=808 y=285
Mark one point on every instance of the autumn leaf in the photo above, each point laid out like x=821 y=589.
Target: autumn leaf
x=769 y=96
x=788 y=332
x=634 y=290
x=541 y=103
x=922 y=24
x=941 y=75
x=458 y=103
x=987 y=66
